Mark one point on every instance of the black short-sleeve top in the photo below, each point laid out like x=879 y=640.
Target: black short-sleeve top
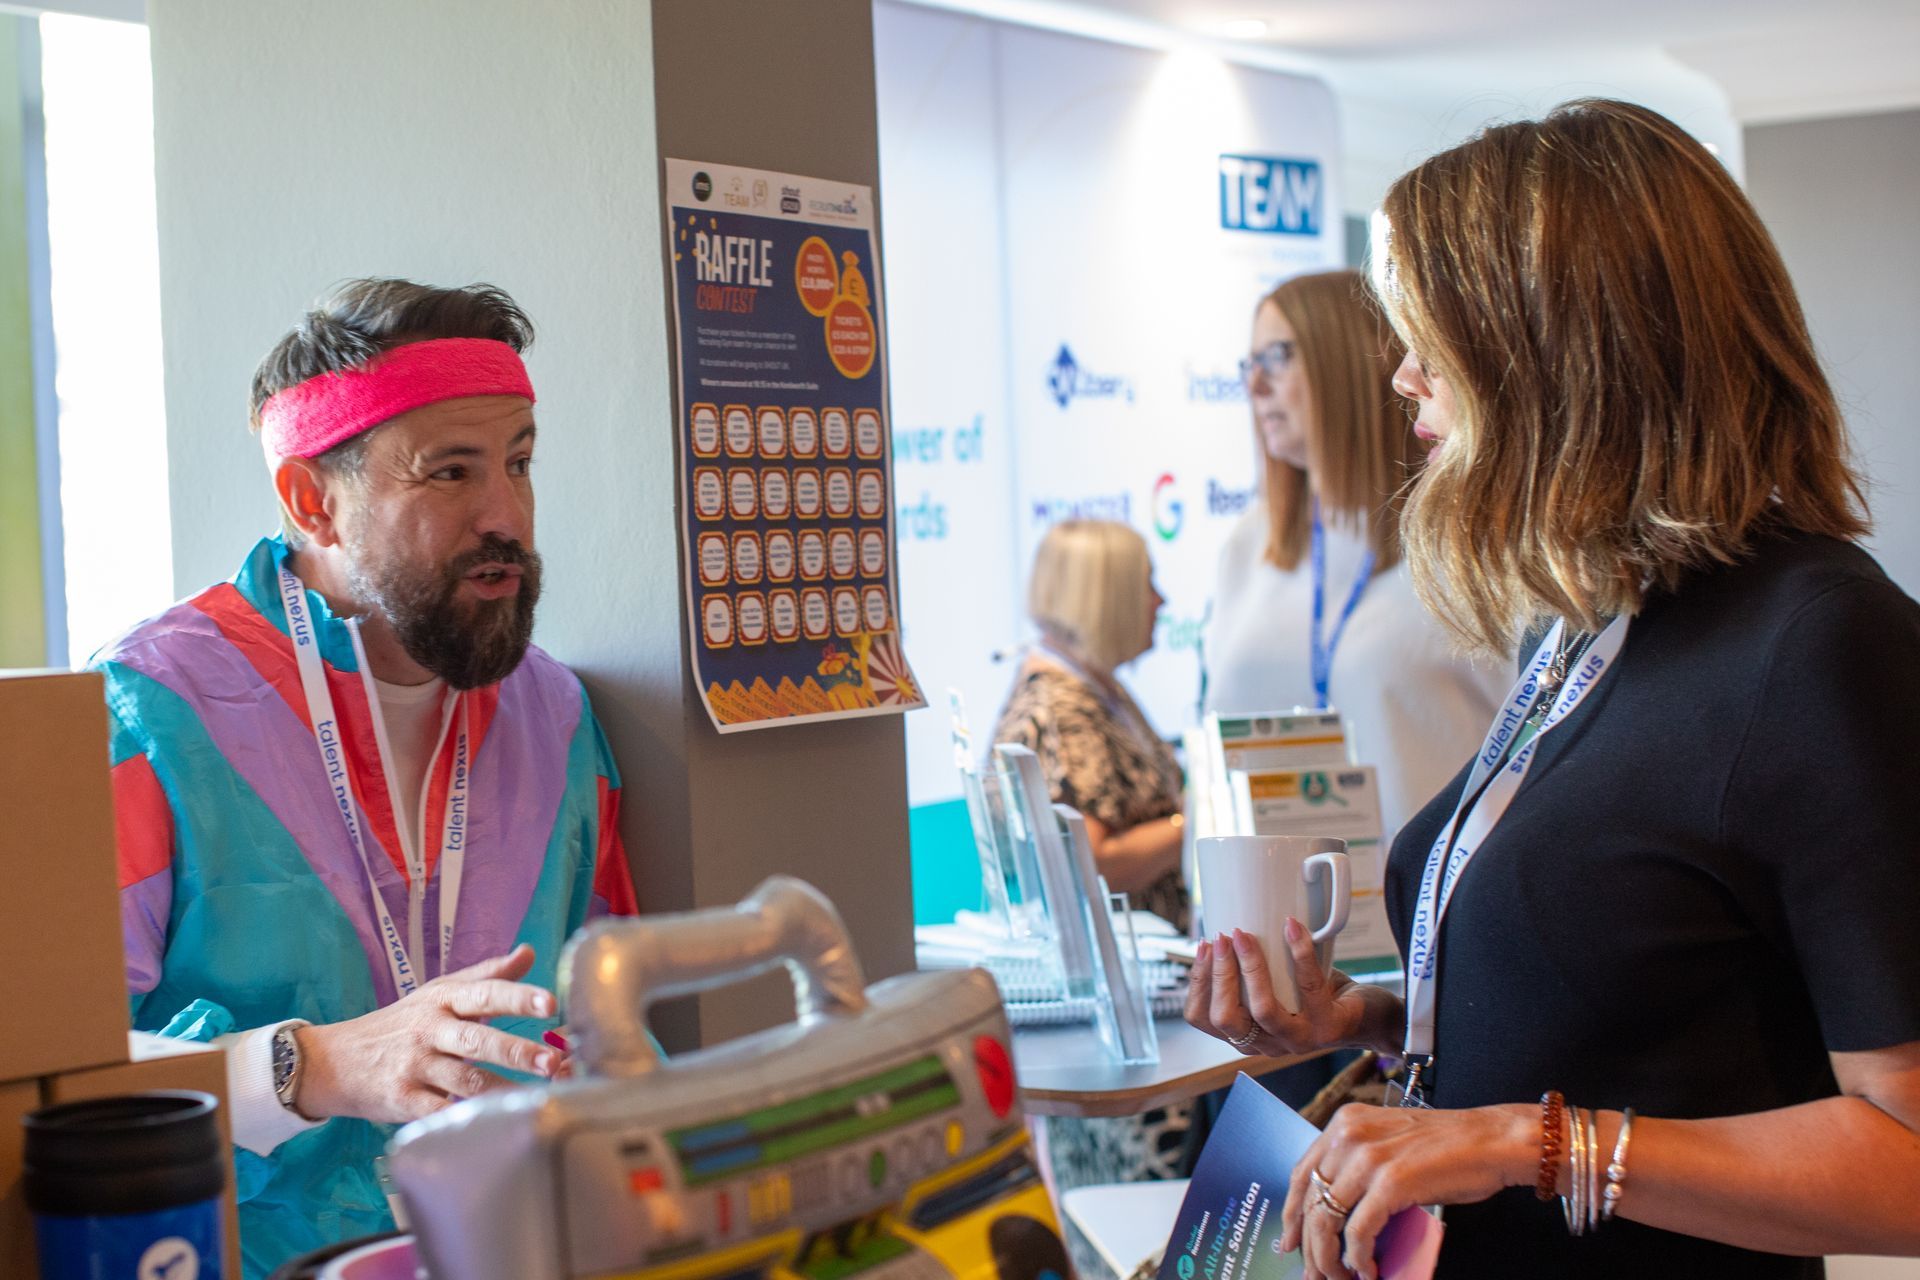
x=1709 y=881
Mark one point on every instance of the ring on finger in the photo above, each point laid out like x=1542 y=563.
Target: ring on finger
x=1243 y=1043
x=1323 y=1195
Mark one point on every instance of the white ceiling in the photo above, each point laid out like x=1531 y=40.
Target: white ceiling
x=1413 y=76
x=1774 y=59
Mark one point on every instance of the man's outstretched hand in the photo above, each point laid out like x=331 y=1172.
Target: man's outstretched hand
x=425 y=1051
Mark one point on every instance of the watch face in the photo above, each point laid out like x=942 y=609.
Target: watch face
x=283 y=1060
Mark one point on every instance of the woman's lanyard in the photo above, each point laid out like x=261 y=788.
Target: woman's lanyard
x=401 y=953
x=1323 y=649
x=1490 y=788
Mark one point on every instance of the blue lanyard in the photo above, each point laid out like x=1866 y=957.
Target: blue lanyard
x=1323 y=649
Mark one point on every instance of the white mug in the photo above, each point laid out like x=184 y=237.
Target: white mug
x=1255 y=882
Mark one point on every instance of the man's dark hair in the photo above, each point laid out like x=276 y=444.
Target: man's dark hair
x=361 y=319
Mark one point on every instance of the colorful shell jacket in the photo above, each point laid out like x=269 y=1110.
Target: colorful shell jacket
x=243 y=902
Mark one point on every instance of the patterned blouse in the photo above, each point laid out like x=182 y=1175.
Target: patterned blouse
x=1100 y=756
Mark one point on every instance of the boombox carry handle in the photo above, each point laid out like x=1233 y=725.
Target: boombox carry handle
x=613 y=969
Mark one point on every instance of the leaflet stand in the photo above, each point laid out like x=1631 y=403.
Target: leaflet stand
x=1031 y=821
x=1123 y=1013
x=1012 y=891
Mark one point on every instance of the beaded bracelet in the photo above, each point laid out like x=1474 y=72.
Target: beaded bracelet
x=1552 y=1104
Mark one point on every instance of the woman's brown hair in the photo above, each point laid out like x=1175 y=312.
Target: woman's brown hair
x=1359 y=444
x=1637 y=392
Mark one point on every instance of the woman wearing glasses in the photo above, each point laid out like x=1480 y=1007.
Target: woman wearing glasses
x=1313 y=607
x=1661 y=957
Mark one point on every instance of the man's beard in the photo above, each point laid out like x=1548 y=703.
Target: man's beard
x=468 y=644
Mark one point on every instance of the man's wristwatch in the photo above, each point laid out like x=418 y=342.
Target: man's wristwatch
x=287 y=1064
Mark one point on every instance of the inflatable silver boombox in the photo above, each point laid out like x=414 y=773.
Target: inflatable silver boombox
x=879 y=1134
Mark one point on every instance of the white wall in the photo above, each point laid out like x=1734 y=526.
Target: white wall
x=1839 y=196
x=459 y=140
x=448 y=170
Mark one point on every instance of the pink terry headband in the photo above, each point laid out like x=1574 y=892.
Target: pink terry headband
x=311 y=417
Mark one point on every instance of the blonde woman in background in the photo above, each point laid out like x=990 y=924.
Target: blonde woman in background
x=1313 y=605
x=1092 y=597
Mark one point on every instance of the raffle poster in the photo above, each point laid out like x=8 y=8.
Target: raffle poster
x=785 y=448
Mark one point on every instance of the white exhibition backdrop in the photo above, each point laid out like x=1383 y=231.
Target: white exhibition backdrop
x=1067 y=310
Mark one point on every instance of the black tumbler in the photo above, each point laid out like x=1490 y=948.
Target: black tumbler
x=127 y=1186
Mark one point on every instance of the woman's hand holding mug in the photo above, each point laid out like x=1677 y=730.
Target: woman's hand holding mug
x=1335 y=1011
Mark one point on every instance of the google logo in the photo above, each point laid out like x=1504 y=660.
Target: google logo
x=1169 y=513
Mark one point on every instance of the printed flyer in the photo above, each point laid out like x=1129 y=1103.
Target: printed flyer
x=1289 y=776
x=785 y=448
x=1229 y=1224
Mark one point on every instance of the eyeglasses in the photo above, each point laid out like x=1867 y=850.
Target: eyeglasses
x=1271 y=360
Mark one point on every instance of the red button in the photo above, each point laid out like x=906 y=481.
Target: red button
x=996 y=1073
x=641 y=1181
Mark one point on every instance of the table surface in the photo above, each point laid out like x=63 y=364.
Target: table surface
x=1064 y=1070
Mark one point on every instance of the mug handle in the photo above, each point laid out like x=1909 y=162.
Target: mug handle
x=1339 y=897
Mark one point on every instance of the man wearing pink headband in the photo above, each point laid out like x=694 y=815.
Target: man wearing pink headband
x=358 y=811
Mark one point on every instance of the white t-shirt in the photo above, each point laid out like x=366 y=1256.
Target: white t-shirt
x=1415 y=709
x=412 y=715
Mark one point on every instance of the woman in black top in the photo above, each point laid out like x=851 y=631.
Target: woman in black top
x=1685 y=880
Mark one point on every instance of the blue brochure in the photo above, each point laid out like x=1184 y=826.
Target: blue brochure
x=1229 y=1224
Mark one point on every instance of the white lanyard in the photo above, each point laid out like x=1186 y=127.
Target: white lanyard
x=453 y=842
x=1474 y=817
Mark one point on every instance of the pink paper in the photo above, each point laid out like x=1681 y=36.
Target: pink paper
x=1409 y=1247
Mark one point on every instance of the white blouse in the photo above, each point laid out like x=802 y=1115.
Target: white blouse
x=1415 y=708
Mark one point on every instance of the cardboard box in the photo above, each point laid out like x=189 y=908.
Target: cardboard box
x=63 y=985
x=158 y=1062
x=17 y=1257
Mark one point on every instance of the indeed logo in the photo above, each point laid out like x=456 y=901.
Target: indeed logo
x=1068 y=382
x=1269 y=194
x=1169 y=513
x=1215 y=388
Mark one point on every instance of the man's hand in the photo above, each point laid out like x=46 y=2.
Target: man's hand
x=419 y=1054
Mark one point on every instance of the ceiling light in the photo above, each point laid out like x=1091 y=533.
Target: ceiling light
x=1244 y=28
